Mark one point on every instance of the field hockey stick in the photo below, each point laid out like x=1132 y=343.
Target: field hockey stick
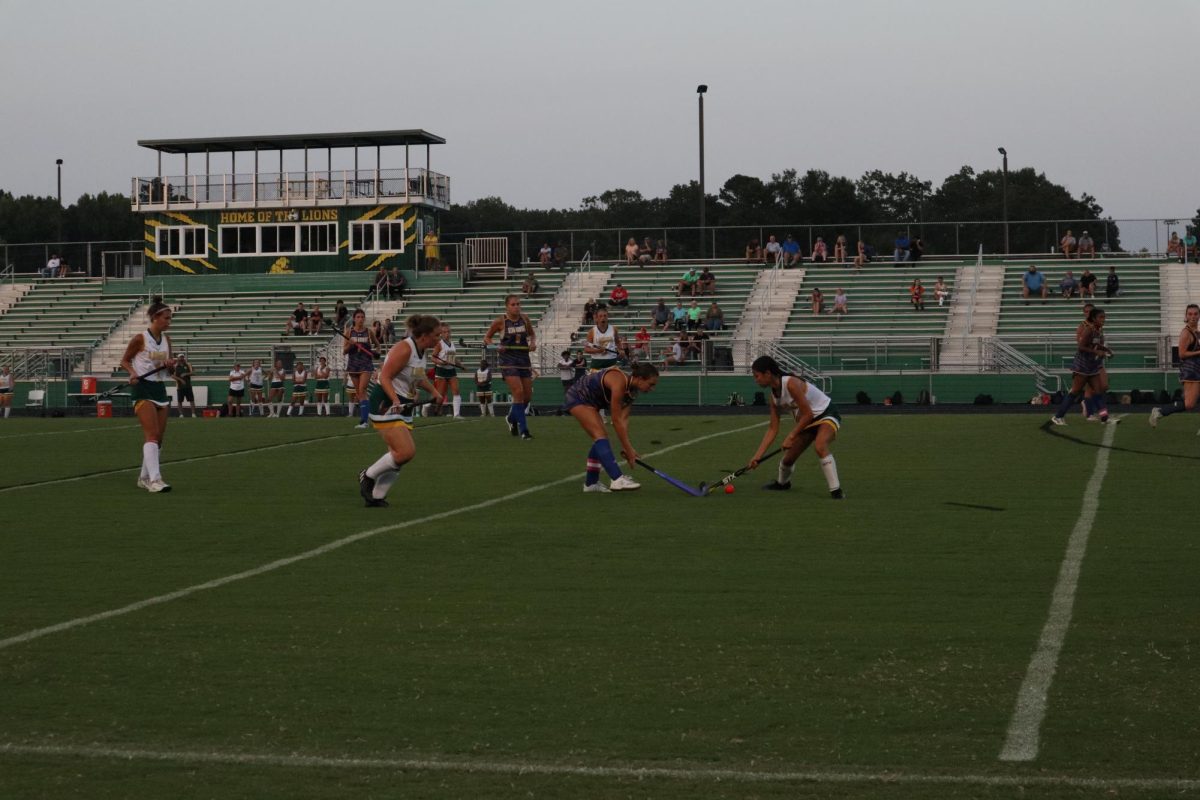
x=678 y=484
x=731 y=477
x=366 y=350
x=110 y=392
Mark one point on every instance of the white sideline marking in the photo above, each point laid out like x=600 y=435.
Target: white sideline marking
x=231 y=454
x=337 y=544
x=73 y=430
x=583 y=770
x=1021 y=743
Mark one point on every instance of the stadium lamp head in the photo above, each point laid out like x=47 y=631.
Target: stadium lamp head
x=1002 y=151
x=702 y=88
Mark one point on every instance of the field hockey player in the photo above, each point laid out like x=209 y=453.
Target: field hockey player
x=612 y=390
x=146 y=358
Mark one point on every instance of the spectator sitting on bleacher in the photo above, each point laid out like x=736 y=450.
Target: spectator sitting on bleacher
x=1175 y=247
x=377 y=330
x=901 y=248
x=389 y=331
x=707 y=282
x=860 y=257
x=714 y=318
x=679 y=316
x=916 y=248
x=818 y=301
x=589 y=311
x=839 y=249
x=687 y=284
x=839 y=302
x=631 y=252
x=561 y=254
x=1112 y=284
x=64 y=269
x=791 y=251
x=340 y=315
x=530 y=285
x=754 y=252
x=660 y=317
x=1086 y=246
x=545 y=255
x=397 y=284
x=940 y=292
x=771 y=253
x=645 y=252
x=916 y=294
x=660 y=253
x=1189 y=246
x=1087 y=284
x=379 y=287
x=52 y=266
x=820 y=253
x=694 y=313
x=619 y=296
x=315 y=320
x=1067 y=243
x=641 y=343
x=1068 y=286
x=1033 y=283
x=297 y=323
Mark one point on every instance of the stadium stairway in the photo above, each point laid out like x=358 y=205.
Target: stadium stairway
x=1177 y=291
x=971 y=317
x=11 y=294
x=106 y=358
x=561 y=319
x=766 y=312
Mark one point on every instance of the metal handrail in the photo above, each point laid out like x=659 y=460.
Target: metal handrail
x=9 y=272
x=999 y=356
x=798 y=366
x=974 y=292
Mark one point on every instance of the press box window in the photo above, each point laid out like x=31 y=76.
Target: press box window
x=376 y=237
x=181 y=241
x=239 y=240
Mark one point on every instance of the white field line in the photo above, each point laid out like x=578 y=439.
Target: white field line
x=73 y=430
x=337 y=544
x=681 y=773
x=1021 y=742
x=106 y=473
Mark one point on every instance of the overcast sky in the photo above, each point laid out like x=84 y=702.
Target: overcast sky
x=544 y=102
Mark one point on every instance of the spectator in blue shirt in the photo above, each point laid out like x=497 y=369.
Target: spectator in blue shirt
x=1068 y=285
x=1034 y=283
x=791 y=251
x=902 y=244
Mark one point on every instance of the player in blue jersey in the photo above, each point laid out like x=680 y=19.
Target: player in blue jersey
x=1088 y=367
x=610 y=390
x=517 y=341
x=360 y=347
x=1189 y=367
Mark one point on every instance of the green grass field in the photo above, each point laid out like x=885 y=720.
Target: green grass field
x=497 y=633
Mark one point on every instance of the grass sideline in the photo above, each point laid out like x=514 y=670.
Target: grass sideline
x=749 y=632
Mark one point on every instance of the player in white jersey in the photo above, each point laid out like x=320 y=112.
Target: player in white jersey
x=445 y=370
x=321 y=373
x=603 y=342
x=393 y=400
x=299 y=389
x=256 y=388
x=817 y=424
x=6 y=391
x=237 y=390
x=147 y=359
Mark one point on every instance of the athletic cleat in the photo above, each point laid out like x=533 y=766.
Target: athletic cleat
x=1093 y=419
x=527 y=436
x=836 y=494
x=596 y=487
x=366 y=486
x=362 y=426
x=373 y=502
x=156 y=486
x=624 y=484
x=512 y=427
x=1057 y=421
x=1155 y=416
x=776 y=486
x=143 y=483
x=1111 y=420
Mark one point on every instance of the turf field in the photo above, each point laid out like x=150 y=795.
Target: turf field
x=498 y=633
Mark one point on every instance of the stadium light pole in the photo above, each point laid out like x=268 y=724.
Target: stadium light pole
x=700 y=90
x=1004 y=194
x=58 y=163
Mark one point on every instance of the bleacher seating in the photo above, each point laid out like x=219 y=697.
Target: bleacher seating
x=63 y=312
x=1134 y=318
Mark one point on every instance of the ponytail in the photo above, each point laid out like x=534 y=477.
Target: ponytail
x=157 y=306
x=768 y=365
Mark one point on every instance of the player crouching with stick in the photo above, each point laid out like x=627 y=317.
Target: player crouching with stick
x=615 y=391
x=146 y=358
x=817 y=423
x=392 y=402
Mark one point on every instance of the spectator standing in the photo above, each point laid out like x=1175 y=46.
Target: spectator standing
x=900 y=253
x=1067 y=244
x=820 y=253
x=580 y=365
x=791 y=251
x=183 y=383
x=430 y=244
x=916 y=294
x=561 y=254
x=389 y=331
x=1068 y=286
x=1087 y=284
x=619 y=296
x=707 y=282
x=1086 y=246
x=660 y=317
x=379 y=287
x=839 y=302
x=1033 y=283
x=566 y=371
x=771 y=253
x=1112 y=284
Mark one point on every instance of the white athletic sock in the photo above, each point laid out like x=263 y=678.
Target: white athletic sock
x=301 y=412
x=785 y=472
x=457 y=404
x=144 y=473
x=150 y=461
x=830 y=469
x=7 y=412
x=384 y=464
x=383 y=484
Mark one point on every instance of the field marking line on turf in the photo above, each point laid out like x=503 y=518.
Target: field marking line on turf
x=329 y=547
x=1024 y=729
x=210 y=457
x=583 y=770
x=73 y=430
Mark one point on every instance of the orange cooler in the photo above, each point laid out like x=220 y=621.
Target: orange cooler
x=89 y=385
x=104 y=408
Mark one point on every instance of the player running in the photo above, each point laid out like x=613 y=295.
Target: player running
x=1088 y=367
x=360 y=348
x=516 y=343
x=146 y=358
x=612 y=390
x=817 y=424
x=392 y=401
x=1189 y=367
